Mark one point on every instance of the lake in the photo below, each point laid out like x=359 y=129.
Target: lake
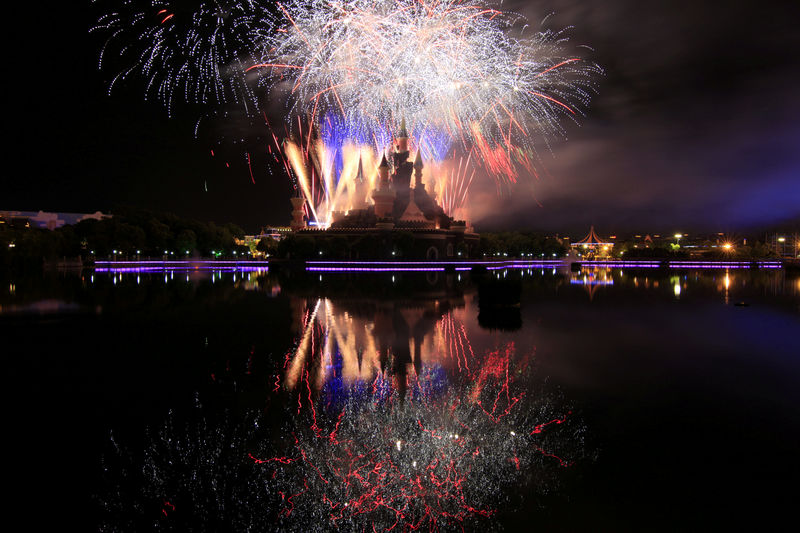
x=524 y=398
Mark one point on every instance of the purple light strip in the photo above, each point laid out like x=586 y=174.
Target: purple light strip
x=368 y=269
x=422 y=266
x=712 y=267
x=429 y=263
x=684 y=264
x=621 y=261
x=537 y=264
x=146 y=270
x=182 y=262
x=626 y=264
x=713 y=262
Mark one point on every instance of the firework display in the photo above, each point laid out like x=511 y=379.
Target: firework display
x=465 y=69
x=195 y=52
x=475 y=85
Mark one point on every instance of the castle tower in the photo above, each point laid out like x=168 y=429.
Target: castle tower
x=384 y=194
x=298 y=213
x=401 y=177
x=360 y=172
x=402 y=137
x=418 y=171
x=383 y=174
x=360 y=181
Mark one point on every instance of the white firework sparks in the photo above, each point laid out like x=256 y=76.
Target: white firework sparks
x=464 y=68
x=195 y=52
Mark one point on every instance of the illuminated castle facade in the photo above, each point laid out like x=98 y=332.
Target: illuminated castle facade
x=401 y=206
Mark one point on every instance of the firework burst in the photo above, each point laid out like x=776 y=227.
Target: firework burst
x=465 y=69
x=195 y=52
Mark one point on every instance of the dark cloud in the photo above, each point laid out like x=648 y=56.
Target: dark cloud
x=695 y=123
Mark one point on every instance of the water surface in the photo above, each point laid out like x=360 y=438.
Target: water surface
x=607 y=399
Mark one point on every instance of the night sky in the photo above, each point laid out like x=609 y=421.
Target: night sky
x=695 y=128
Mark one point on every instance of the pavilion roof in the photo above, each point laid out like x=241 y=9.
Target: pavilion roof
x=591 y=238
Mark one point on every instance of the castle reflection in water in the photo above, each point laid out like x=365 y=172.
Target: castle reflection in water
x=347 y=340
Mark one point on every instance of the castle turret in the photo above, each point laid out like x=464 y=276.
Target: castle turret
x=384 y=193
x=402 y=137
x=418 y=171
x=360 y=172
x=360 y=184
x=298 y=213
x=383 y=173
x=402 y=166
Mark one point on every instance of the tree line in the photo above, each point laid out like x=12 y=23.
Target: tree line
x=128 y=233
x=403 y=245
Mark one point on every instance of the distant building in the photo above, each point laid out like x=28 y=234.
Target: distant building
x=593 y=246
x=46 y=220
x=786 y=246
x=275 y=232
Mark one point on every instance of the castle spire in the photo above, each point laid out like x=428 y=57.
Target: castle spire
x=360 y=172
x=383 y=172
x=402 y=134
x=402 y=137
x=418 y=170
x=383 y=195
x=298 y=222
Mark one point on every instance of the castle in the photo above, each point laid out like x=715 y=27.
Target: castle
x=400 y=207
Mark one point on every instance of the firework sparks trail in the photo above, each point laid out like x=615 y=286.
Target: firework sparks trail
x=452 y=342
x=451 y=66
x=195 y=53
x=466 y=76
x=454 y=185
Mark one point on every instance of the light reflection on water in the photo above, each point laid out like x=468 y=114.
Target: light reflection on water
x=374 y=414
x=358 y=340
x=390 y=420
x=426 y=437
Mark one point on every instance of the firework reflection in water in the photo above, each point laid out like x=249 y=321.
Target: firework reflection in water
x=190 y=476
x=444 y=444
x=440 y=457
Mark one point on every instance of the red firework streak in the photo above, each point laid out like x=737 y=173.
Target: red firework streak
x=250 y=168
x=399 y=466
